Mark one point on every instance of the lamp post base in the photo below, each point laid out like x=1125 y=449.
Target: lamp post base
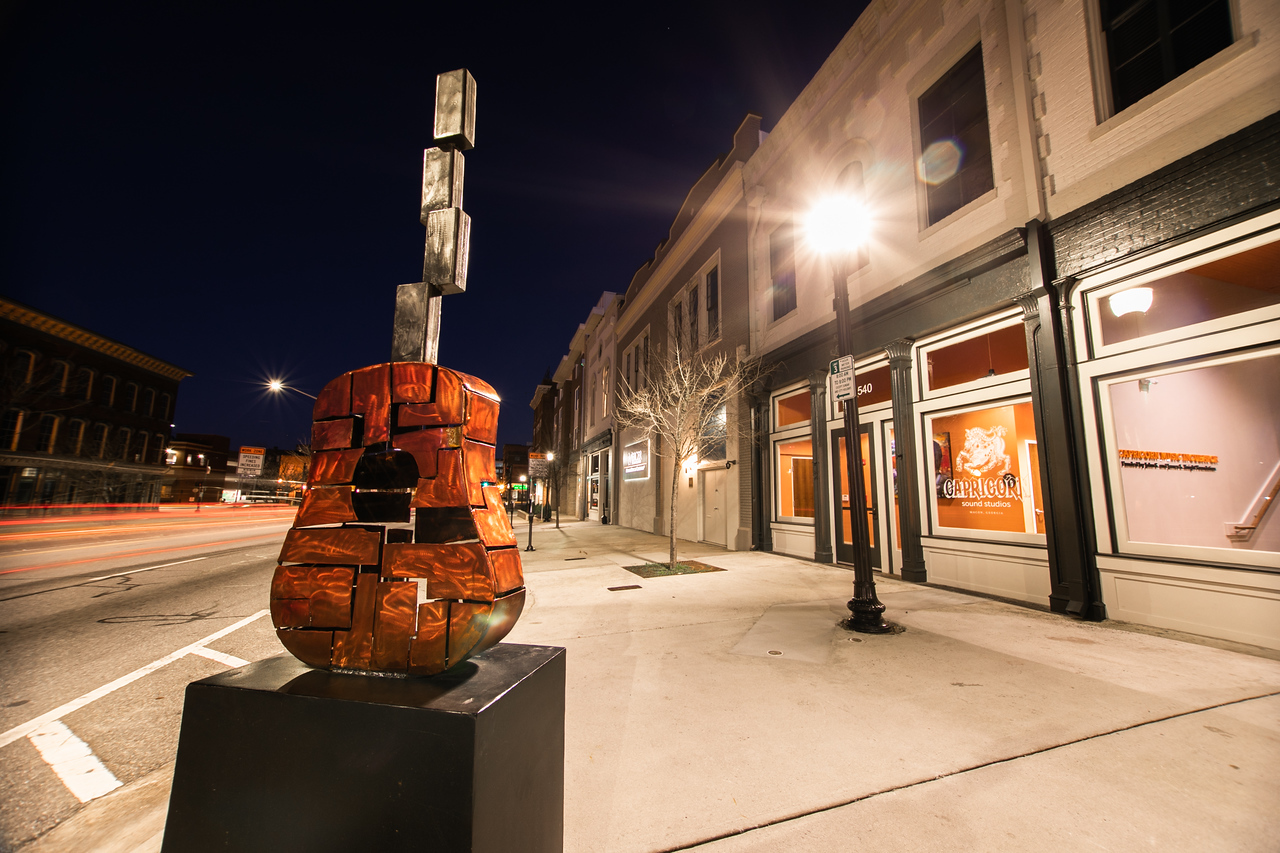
x=866 y=616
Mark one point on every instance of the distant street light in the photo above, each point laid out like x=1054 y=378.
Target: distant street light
x=276 y=386
x=838 y=226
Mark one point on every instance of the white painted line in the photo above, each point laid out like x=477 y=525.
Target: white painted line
x=224 y=659
x=73 y=761
x=147 y=569
x=79 y=702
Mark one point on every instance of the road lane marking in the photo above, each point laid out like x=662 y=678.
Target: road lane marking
x=73 y=761
x=225 y=659
x=147 y=569
x=107 y=689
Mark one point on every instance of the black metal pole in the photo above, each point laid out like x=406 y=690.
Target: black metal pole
x=866 y=611
x=530 y=511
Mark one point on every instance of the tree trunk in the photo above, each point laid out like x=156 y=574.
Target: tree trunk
x=675 y=486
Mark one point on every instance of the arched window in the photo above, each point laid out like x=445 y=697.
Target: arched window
x=123 y=437
x=99 y=447
x=59 y=374
x=149 y=404
x=84 y=384
x=11 y=429
x=164 y=407
x=48 y=433
x=75 y=436
x=109 y=390
x=140 y=454
x=131 y=396
x=24 y=366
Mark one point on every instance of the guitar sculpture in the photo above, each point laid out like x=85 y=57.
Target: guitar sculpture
x=401 y=559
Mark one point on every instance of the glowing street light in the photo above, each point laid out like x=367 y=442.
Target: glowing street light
x=837 y=227
x=277 y=385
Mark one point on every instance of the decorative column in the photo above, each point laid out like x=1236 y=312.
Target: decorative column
x=1068 y=522
x=761 y=514
x=822 y=539
x=907 y=459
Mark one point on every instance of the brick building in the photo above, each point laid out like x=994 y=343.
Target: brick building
x=83 y=419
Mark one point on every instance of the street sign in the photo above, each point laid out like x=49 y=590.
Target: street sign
x=251 y=461
x=539 y=465
x=842 y=378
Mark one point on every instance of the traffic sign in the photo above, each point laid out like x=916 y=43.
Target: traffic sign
x=539 y=465
x=842 y=378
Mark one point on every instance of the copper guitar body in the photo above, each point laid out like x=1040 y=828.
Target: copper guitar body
x=401 y=559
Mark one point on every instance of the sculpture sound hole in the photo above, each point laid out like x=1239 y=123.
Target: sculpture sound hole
x=384 y=482
x=406 y=443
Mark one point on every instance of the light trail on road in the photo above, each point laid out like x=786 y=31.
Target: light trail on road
x=147 y=552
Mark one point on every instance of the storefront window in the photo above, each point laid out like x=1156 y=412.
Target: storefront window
x=794 y=466
x=1197 y=452
x=1227 y=286
x=873 y=388
x=792 y=409
x=996 y=353
x=986 y=470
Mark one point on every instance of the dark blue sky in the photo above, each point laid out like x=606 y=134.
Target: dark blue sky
x=233 y=186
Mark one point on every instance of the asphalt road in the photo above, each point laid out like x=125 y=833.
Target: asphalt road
x=103 y=622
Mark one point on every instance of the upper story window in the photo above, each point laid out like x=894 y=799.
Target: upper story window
x=150 y=402
x=164 y=407
x=955 y=141
x=24 y=365
x=60 y=373
x=109 y=390
x=695 y=311
x=604 y=390
x=711 y=284
x=782 y=269
x=48 y=433
x=84 y=384
x=1150 y=42
x=131 y=396
x=11 y=429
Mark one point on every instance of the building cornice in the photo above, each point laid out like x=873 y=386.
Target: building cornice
x=33 y=319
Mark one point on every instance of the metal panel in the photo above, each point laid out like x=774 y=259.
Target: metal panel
x=331 y=546
x=334 y=467
x=331 y=505
x=335 y=400
x=329 y=435
x=444 y=260
x=442 y=174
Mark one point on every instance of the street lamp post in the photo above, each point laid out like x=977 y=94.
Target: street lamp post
x=277 y=386
x=838 y=227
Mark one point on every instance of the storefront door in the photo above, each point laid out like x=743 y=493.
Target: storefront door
x=840 y=479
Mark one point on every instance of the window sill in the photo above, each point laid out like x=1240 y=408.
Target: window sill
x=1168 y=90
x=956 y=215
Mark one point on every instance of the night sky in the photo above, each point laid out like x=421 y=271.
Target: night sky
x=233 y=187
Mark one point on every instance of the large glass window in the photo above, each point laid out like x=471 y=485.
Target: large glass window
x=1197 y=453
x=793 y=461
x=986 y=470
x=792 y=409
x=1150 y=42
x=1220 y=288
x=955 y=142
x=995 y=353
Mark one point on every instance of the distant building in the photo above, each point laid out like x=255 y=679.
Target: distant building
x=198 y=468
x=83 y=419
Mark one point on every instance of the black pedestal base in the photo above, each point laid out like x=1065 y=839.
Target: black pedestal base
x=279 y=757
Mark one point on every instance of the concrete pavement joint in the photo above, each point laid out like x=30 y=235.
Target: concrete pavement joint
x=993 y=763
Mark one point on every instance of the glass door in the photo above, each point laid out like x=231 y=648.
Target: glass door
x=844 y=528
x=894 y=534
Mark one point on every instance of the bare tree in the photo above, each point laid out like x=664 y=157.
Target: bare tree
x=682 y=403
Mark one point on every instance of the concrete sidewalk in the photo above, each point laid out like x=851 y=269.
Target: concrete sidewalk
x=726 y=711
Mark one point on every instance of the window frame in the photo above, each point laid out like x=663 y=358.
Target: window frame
x=993 y=322
x=927 y=219
x=786 y=274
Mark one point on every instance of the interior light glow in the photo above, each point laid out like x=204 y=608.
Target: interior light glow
x=1135 y=299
